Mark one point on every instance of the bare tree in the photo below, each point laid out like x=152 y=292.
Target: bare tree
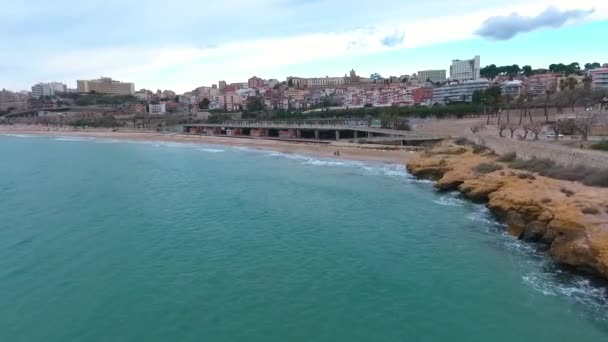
x=561 y=126
x=584 y=124
x=501 y=129
x=536 y=128
x=513 y=128
x=526 y=129
x=477 y=128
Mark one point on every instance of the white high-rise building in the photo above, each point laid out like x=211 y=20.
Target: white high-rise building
x=465 y=70
x=48 y=89
x=435 y=76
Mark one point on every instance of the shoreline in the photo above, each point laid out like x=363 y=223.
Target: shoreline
x=313 y=149
x=566 y=219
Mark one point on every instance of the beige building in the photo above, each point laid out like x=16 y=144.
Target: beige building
x=105 y=85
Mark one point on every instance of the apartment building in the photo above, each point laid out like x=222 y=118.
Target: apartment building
x=435 y=76
x=511 y=88
x=157 y=108
x=538 y=85
x=465 y=70
x=48 y=89
x=459 y=92
x=255 y=82
x=105 y=85
x=599 y=78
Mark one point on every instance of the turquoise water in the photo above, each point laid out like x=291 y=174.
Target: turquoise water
x=103 y=240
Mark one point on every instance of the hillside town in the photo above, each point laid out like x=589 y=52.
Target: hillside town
x=466 y=82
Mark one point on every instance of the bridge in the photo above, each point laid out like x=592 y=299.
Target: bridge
x=355 y=131
x=33 y=112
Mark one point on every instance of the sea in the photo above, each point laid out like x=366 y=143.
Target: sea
x=107 y=240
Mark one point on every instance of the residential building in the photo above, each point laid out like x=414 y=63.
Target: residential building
x=465 y=70
x=538 y=85
x=512 y=88
x=7 y=96
x=229 y=100
x=422 y=95
x=48 y=89
x=459 y=92
x=105 y=85
x=325 y=81
x=435 y=76
x=157 y=108
x=599 y=78
x=255 y=82
x=168 y=94
x=222 y=85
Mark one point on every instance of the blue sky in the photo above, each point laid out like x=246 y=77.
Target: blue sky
x=184 y=44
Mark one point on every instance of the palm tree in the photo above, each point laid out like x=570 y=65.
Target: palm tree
x=520 y=102
x=587 y=82
x=508 y=100
x=548 y=94
x=571 y=82
x=562 y=84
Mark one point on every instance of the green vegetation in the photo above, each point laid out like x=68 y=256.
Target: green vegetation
x=601 y=146
x=484 y=168
x=507 y=157
x=255 y=104
x=456 y=109
x=204 y=104
x=548 y=168
x=492 y=71
x=106 y=121
x=101 y=99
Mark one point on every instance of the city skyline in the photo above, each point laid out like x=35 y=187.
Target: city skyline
x=293 y=39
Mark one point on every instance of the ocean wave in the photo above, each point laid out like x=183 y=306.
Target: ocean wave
x=73 y=139
x=210 y=150
x=14 y=135
x=451 y=200
x=593 y=297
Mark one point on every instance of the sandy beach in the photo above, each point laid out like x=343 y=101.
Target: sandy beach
x=320 y=150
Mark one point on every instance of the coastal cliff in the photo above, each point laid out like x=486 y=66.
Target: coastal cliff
x=569 y=218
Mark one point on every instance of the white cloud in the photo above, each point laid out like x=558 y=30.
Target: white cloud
x=184 y=66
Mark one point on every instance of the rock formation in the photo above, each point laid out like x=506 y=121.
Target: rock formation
x=568 y=217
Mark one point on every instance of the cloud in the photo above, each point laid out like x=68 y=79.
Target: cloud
x=393 y=39
x=507 y=27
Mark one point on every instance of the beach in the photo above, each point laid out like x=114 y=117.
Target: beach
x=316 y=149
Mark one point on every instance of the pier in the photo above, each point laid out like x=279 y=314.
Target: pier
x=348 y=131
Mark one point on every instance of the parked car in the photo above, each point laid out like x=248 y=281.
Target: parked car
x=551 y=135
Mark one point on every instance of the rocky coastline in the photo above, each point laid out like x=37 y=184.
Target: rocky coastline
x=568 y=219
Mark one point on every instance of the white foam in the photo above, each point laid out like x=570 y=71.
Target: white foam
x=210 y=150
x=450 y=200
x=73 y=139
x=19 y=135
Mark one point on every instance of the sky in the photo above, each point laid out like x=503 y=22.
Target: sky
x=184 y=44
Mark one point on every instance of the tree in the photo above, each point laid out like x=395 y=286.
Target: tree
x=512 y=129
x=501 y=128
x=375 y=77
x=562 y=84
x=591 y=66
x=548 y=94
x=254 y=104
x=526 y=70
x=290 y=83
x=477 y=128
x=176 y=98
x=536 y=128
x=526 y=129
x=571 y=82
x=204 y=104
x=561 y=126
x=587 y=82
x=508 y=100
x=489 y=72
x=584 y=124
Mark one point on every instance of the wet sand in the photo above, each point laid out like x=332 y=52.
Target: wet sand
x=315 y=149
